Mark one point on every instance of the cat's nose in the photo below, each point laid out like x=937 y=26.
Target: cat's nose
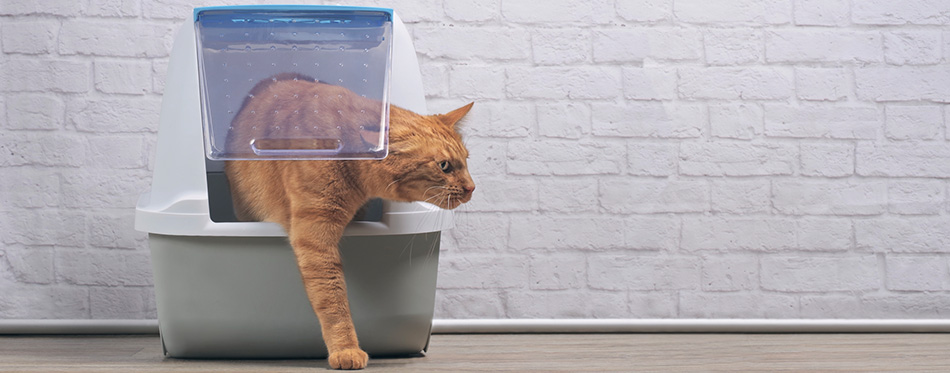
x=469 y=189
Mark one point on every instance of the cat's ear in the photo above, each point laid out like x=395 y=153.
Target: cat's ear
x=454 y=116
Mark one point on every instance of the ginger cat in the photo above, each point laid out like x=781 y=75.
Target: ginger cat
x=315 y=200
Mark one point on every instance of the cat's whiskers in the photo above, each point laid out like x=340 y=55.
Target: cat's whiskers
x=391 y=184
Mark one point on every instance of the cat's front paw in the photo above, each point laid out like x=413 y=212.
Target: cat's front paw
x=352 y=358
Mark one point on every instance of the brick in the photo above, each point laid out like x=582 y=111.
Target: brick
x=565 y=157
x=100 y=38
x=910 y=197
x=571 y=304
x=411 y=11
x=44 y=227
x=838 y=306
x=653 y=196
x=915 y=12
x=487 y=156
x=554 y=11
x=483 y=272
x=32 y=265
x=477 y=81
x=903 y=160
x=116 y=303
x=733 y=46
x=435 y=79
x=825 y=234
x=103 y=268
x=738 y=305
x=822 y=121
x=45 y=76
x=740 y=196
x=653 y=304
x=159 y=70
x=638 y=44
x=904 y=234
x=639 y=272
x=496 y=119
x=651 y=233
x=916 y=122
x=548 y=82
x=648 y=120
x=123 y=77
x=724 y=233
x=114 y=230
x=29 y=188
x=116 y=152
x=95 y=187
x=53 y=7
x=917 y=273
x=35 y=112
x=770 y=12
x=557 y=272
x=876 y=306
x=731 y=83
x=472 y=43
x=829 y=197
x=44 y=302
x=738 y=233
x=923 y=83
x=730 y=273
x=912 y=47
x=946 y=45
x=736 y=121
x=168 y=9
x=566 y=232
x=41 y=149
x=470 y=231
x=820 y=273
x=504 y=194
x=472 y=11
x=564 y=119
x=737 y=159
x=469 y=304
x=651 y=159
x=113 y=8
x=568 y=195
x=114 y=115
x=827 y=160
x=821 y=12
x=151 y=310
x=645 y=10
x=560 y=46
x=30 y=37
x=823 y=84
x=643 y=83
x=816 y=45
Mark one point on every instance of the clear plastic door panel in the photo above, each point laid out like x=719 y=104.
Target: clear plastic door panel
x=294 y=82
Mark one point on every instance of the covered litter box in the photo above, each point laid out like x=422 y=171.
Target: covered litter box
x=228 y=289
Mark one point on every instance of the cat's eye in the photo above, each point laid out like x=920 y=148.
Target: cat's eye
x=445 y=166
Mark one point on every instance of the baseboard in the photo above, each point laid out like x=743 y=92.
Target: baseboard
x=67 y=326
x=690 y=326
x=468 y=326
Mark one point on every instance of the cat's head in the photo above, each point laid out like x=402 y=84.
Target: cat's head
x=427 y=159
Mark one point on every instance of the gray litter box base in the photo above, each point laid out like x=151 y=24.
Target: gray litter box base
x=242 y=297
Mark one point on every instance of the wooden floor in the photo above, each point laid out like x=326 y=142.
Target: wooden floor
x=523 y=352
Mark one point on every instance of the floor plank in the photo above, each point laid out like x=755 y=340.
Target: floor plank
x=522 y=352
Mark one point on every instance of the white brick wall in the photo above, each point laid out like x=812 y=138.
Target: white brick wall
x=635 y=158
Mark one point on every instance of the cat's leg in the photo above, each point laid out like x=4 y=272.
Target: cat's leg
x=314 y=236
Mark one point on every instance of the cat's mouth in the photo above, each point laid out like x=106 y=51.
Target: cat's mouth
x=455 y=199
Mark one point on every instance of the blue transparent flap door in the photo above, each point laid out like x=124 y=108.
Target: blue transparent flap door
x=306 y=82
